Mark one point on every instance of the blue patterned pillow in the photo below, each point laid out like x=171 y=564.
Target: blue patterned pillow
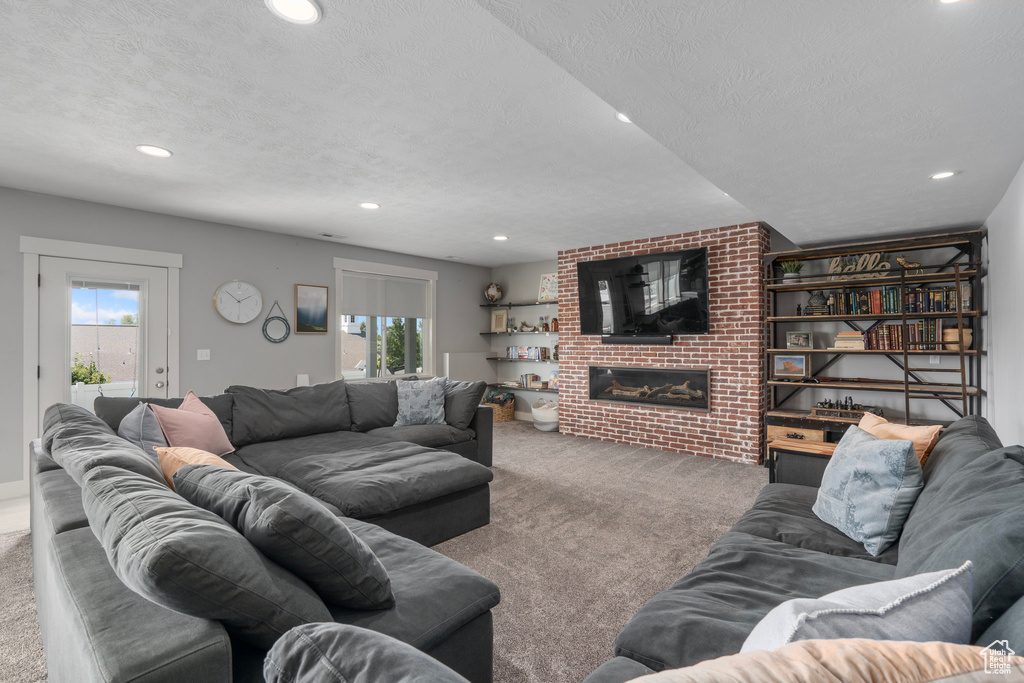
x=869 y=487
x=421 y=402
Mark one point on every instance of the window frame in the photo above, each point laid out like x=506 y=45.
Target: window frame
x=343 y=265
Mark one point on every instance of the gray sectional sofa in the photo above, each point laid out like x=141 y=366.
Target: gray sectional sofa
x=408 y=495
x=971 y=508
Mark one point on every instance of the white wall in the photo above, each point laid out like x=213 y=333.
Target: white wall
x=1005 y=325
x=212 y=254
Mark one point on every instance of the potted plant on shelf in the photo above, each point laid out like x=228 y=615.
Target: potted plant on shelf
x=791 y=269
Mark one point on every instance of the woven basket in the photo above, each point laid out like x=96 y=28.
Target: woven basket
x=503 y=413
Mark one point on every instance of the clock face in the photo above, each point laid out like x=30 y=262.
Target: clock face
x=238 y=301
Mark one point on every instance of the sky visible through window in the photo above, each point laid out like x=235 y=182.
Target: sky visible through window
x=114 y=304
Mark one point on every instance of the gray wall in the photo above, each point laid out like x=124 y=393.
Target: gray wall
x=1005 y=323
x=521 y=282
x=212 y=254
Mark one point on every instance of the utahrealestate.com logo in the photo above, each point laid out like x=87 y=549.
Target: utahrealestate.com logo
x=997 y=657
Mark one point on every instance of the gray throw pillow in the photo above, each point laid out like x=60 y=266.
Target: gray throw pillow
x=293 y=529
x=869 y=487
x=461 y=400
x=921 y=608
x=421 y=403
x=372 y=404
x=189 y=560
x=338 y=653
x=141 y=428
x=260 y=415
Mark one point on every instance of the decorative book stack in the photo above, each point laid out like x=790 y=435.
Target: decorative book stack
x=849 y=341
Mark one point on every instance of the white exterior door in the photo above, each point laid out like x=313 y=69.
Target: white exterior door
x=103 y=330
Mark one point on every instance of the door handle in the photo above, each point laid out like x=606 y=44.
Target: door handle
x=159 y=385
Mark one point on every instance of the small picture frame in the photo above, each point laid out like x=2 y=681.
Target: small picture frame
x=499 y=319
x=791 y=366
x=799 y=340
x=311 y=312
x=548 y=287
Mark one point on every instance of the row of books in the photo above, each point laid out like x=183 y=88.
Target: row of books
x=531 y=381
x=925 y=335
x=527 y=352
x=886 y=301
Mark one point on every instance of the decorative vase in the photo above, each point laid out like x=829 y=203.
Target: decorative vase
x=955 y=335
x=493 y=292
x=817 y=298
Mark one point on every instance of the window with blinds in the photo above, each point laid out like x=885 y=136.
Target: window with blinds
x=383 y=323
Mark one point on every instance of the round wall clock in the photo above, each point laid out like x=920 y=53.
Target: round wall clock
x=238 y=301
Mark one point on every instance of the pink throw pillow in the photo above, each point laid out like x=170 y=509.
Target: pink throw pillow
x=193 y=425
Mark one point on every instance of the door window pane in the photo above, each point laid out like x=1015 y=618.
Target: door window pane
x=105 y=340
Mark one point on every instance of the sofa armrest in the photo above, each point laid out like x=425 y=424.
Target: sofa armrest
x=483 y=424
x=306 y=653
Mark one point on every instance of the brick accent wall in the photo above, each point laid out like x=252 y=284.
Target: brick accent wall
x=734 y=351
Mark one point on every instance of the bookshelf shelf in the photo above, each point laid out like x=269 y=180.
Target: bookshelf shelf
x=932 y=287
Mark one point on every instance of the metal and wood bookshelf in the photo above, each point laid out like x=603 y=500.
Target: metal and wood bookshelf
x=950 y=281
x=550 y=361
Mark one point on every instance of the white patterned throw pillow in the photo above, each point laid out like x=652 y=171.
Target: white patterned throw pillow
x=421 y=402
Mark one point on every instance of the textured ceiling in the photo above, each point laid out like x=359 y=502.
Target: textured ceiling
x=433 y=108
x=823 y=118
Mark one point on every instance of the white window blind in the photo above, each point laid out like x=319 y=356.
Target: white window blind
x=383 y=295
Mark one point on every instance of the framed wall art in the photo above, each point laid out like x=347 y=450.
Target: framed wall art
x=548 y=287
x=311 y=313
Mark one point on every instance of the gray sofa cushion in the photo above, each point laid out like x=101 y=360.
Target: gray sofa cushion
x=434 y=595
x=782 y=512
x=959 y=444
x=262 y=415
x=710 y=612
x=373 y=404
x=79 y=441
x=335 y=653
x=142 y=429
x=362 y=475
x=294 y=530
x=96 y=629
x=432 y=436
x=191 y=561
x=976 y=515
x=113 y=409
x=618 y=670
x=461 y=400
x=60 y=499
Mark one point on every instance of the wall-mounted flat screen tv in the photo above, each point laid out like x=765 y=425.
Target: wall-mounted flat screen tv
x=648 y=295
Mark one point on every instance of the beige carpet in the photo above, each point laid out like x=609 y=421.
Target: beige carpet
x=21 y=651
x=582 y=533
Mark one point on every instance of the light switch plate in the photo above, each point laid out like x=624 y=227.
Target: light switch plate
x=203 y=354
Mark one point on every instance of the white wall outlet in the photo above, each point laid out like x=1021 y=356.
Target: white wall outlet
x=934 y=360
x=203 y=354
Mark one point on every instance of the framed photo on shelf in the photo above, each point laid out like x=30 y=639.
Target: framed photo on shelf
x=548 y=287
x=498 y=321
x=311 y=309
x=791 y=366
x=799 y=339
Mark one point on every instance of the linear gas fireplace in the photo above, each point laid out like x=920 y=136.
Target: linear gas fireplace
x=674 y=388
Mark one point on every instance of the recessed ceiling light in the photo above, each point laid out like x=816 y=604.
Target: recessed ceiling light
x=948 y=1
x=501 y=238
x=296 y=11
x=622 y=117
x=369 y=205
x=154 y=151
x=943 y=175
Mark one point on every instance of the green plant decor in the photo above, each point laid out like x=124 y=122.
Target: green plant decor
x=791 y=266
x=86 y=374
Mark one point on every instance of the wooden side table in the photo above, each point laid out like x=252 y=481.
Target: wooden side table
x=797 y=461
